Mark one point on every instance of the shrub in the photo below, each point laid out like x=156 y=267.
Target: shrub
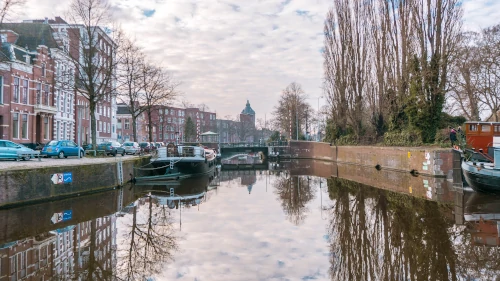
x=403 y=138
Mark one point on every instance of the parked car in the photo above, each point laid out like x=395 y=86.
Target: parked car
x=131 y=147
x=62 y=148
x=9 y=150
x=111 y=148
x=145 y=146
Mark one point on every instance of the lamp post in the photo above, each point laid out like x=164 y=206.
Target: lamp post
x=79 y=110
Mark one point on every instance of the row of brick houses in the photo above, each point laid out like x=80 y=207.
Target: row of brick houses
x=37 y=103
x=168 y=123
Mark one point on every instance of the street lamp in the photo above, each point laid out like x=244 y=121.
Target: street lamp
x=79 y=110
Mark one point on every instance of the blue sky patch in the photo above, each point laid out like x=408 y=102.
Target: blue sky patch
x=149 y=13
x=302 y=12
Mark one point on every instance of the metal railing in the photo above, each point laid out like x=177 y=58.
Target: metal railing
x=254 y=144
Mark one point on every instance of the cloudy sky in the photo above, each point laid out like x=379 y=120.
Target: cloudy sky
x=228 y=51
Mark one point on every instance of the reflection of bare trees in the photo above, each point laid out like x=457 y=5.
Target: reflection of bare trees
x=294 y=193
x=380 y=235
x=150 y=243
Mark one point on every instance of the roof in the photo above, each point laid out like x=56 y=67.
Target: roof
x=32 y=35
x=123 y=110
x=248 y=110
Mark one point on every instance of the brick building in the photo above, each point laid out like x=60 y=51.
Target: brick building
x=124 y=127
x=168 y=123
x=27 y=106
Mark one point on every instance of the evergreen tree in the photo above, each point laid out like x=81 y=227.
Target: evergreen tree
x=190 y=130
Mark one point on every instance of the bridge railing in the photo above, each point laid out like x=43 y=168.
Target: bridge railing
x=254 y=144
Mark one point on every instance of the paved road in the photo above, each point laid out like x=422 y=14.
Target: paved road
x=53 y=162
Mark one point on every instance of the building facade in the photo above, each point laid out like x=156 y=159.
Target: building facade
x=168 y=123
x=27 y=108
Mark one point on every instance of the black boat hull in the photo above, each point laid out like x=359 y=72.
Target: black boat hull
x=191 y=168
x=479 y=181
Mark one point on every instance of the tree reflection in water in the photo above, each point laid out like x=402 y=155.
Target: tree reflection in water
x=294 y=193
x=380 y=235
x=150 y=242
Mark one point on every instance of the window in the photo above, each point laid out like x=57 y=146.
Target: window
x=1 y=89
x=473 y=127
x=15 y=125
x=46 y=128
x=24 y=132
x=169 y=120
x=109 y=128
x=16 y=89
x=127 y=124
x=38 y=93
x=485 y=128
x=497 y=129
x=25 y=92
x=43 y=69
x=46 y=94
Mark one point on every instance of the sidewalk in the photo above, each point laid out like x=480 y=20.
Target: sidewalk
x=6 y=165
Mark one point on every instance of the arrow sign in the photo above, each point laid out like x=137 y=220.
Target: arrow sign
x=54 y=178
x=56 y=217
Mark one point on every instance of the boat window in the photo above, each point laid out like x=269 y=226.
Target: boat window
x=473 y=127
x=497 y=128
x=485 y=128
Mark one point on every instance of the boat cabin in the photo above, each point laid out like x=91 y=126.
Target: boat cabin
x=482 y=135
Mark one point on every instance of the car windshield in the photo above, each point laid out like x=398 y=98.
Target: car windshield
x=52 y=143
x=128 y=144
x=144 y=144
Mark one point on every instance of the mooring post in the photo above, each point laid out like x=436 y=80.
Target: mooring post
x=457 y=169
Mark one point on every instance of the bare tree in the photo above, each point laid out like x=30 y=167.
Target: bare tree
x=489 y=47
x=95 y=66
x=290 y=113
x=387 y=62
x=131 y=82
x=159 y=90
x=464 y=78
x=7 y=7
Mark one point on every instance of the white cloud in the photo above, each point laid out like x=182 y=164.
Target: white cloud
x=225 y=52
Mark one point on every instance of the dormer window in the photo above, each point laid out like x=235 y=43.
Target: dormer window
x=43 y=69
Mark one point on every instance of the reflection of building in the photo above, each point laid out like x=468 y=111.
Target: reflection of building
x=60 y=253
x=485 y=232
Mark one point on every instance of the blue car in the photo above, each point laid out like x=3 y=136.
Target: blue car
x=62 y=148
x=11 y=150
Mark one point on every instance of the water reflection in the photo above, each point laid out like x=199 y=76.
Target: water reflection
x=382 y=235
x=285 y=225
x=147 y=240
x=294 y=193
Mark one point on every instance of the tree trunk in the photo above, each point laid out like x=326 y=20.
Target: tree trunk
x=93 y=125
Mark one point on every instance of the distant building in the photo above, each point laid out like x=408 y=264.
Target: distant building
x=247 y=124
x=124 y=128
x=168 y=123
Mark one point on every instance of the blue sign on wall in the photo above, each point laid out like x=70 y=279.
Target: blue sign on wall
x=62 y=216
x=67 y=215
x=67 y=177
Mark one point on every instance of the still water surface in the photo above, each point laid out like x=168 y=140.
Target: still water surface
x=254 y=225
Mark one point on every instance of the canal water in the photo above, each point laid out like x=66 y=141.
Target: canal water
x=254 y=225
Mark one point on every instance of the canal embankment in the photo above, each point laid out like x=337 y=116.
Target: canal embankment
x=426 y=161
x=33 y=181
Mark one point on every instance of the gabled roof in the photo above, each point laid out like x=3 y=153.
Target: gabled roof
x=32 y=35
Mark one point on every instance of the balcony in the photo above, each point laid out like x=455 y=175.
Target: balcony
x=45 y=108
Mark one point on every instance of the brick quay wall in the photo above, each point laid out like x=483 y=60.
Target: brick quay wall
x=32 y=182
x=426 y=161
